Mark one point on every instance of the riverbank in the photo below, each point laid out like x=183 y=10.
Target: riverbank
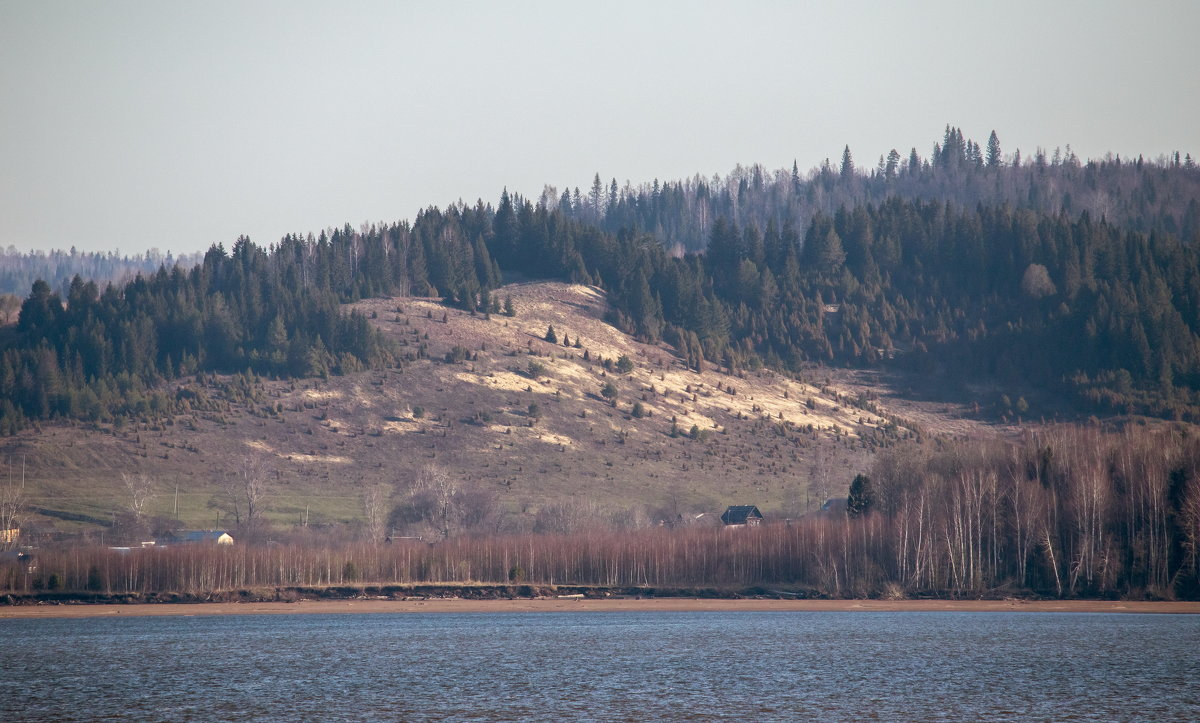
x=559 y=605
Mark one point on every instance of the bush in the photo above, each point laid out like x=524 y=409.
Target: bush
x=609 y=391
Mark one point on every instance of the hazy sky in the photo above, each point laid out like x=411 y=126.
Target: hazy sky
x=176 y=125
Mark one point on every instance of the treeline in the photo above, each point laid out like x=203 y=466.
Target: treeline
x=1160 y=195
x=103 y=355
x=1067 y=513
x=19 y=270
x=1041 y=299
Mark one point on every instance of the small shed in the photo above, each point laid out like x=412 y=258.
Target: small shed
x=742 y=516
x=206 y=537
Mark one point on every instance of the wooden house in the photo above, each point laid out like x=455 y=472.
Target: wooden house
x=742 y=516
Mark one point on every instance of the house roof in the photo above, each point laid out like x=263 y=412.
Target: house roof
x=834 y=505
x=739 y=514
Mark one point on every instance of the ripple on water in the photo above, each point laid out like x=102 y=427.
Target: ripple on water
x=605 y=666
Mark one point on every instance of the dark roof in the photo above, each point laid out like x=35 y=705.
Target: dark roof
x=834 y=505
x=740 y=514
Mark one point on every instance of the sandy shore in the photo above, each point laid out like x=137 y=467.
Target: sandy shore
x=578 y=605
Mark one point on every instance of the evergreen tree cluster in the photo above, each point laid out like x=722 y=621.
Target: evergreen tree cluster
x=1110 y=315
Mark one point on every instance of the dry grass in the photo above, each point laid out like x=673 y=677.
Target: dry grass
x=335 y=437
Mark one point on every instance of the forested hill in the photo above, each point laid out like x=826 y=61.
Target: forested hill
x=1072 y=302
x=1143 y=195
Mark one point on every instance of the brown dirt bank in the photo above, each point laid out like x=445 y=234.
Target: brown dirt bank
x=452 y=605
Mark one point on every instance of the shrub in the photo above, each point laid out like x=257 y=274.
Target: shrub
x=609 y=391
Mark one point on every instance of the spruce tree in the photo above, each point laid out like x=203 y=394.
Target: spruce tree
x=994 y=159
x=862 y=496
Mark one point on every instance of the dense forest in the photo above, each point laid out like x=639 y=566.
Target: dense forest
x=1017 y=281
x=1065 y=513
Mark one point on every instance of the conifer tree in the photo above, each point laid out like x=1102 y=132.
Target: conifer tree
x=861 y=498
x=994 y=159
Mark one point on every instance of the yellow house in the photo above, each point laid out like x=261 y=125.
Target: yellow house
x=8 y=537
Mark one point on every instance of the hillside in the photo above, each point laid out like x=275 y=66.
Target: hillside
x=318 y=444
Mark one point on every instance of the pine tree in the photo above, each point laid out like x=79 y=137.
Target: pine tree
x=994 y=159
x=862 y=496
x=892 y=165
x=596 y=198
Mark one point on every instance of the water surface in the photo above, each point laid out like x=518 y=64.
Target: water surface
x=605 y=666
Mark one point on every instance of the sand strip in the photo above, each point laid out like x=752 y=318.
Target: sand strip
x=578 y=605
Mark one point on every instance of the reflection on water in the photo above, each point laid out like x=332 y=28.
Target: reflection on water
x=604 y=666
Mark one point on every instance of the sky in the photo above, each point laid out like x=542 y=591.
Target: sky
x=176 y=125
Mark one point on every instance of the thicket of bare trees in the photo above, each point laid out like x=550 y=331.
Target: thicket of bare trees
x=1071 y=512
x=436 y=506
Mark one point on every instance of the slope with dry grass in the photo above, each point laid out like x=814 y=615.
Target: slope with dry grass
x=490 y=401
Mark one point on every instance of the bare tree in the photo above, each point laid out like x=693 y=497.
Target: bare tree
x=12 y=507
x=822 y=474
x=375 y=501
x=9 y=305
x=436 y=482
x=141 y=492
x=253 y=477
x=245 y=493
